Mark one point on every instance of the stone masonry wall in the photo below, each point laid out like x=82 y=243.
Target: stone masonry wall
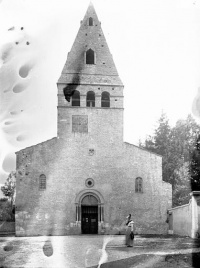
x=67 y=165
x=72 y=157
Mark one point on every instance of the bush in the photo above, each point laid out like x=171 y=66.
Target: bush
x=6 y=211
x=3 y=199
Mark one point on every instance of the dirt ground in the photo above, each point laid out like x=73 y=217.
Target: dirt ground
x=87 y=251
x=190 y=260
x=152 y=261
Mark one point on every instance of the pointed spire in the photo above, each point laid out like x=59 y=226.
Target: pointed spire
x=90 y=40
x=90 y=4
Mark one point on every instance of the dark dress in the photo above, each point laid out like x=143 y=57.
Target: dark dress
x=129 y=228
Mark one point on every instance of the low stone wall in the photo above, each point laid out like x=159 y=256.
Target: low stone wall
x=180 y=219
x=21 y=218
x=27 y=225
x=7 y=227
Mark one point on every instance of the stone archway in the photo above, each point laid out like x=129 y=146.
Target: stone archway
x=89 y=210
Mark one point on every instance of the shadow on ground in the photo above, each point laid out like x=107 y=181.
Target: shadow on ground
x=156 y=261
x=196 y=256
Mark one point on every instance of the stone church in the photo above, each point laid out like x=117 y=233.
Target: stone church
x=87 y=179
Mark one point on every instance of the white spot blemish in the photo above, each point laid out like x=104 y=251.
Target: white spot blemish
x=16 y=112
x=20 y=138
x=11 y=29
x=104 y=255
x=24 y=70
x=6 y=51
x=19 y=88
x=6 y=90
x=8 y=123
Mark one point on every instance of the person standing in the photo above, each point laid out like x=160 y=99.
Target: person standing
x=129 y=231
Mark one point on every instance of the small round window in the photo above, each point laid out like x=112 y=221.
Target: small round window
x=89 y=182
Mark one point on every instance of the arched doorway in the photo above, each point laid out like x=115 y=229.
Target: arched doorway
x=89 y=215
x=89 y=211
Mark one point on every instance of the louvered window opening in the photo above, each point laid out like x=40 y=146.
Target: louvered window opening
x=105 y=99
x=76 y=98
x=42 y=182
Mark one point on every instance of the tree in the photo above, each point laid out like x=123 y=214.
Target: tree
x=182 y=185
x=160 y=144
x=184 y=136
x=162 y=134
x=195 y=167
x=176 y=145
x=9 y=188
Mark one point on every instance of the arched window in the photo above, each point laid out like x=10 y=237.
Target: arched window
x=105 y=99
x=76 y=98
x=138 y=185
x=42 y=182
x=90 y=99
x=90 y=56
x=90 y=21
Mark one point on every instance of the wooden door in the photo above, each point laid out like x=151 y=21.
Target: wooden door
x=89 y=221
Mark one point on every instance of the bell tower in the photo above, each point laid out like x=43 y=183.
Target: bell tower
x=90 y=92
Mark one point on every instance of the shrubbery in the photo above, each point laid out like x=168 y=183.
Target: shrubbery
x=7 y=207
x=6 y=210
x=179 y=147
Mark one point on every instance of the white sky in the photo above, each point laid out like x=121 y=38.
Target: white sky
x=155 y=45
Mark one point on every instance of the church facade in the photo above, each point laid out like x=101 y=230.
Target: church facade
x=87 y=179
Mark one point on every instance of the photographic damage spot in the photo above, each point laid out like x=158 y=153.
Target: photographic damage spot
x=6 y=51
x=69 y=89
x=24 y=70
x=6 y=90
x=8 y=123
x=8 y=248
x=20 y=138
x=19 y=88
x=16 y=112
x=48 y=249
x=11 y=29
